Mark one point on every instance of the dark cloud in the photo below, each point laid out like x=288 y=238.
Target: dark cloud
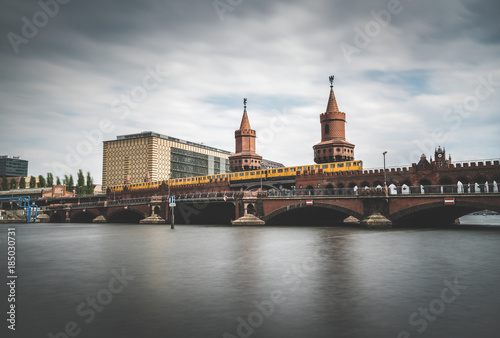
x=279 y=54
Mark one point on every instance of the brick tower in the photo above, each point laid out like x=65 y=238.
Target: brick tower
x=333 y=146
x=245 y=157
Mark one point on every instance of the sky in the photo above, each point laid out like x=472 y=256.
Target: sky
x=410 y=76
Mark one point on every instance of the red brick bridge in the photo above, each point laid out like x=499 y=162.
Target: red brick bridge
x=438 y=205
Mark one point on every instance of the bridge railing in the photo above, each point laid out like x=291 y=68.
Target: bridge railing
x=391 y=190
x=210 y=196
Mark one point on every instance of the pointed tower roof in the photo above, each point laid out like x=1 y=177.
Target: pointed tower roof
x=332 y=102
x=245 y=123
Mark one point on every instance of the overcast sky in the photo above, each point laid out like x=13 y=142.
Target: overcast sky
x=410 y=76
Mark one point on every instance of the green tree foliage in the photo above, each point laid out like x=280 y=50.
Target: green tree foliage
x=71 y=185
x=41 y=181
x=5 y=183
x=50 y=179
x=90 y=184
x=58 y=180
x=80 y=183
x=13 y=184
x=32 y=182
x=22 y=183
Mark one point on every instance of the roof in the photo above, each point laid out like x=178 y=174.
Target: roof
x=245 y=123
x=146 y=134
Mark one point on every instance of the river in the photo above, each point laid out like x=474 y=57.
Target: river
x=124 y=280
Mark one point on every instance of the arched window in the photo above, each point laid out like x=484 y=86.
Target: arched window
x=327 y=129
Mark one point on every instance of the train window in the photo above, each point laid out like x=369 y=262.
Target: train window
x=274 y=171
x=218 y=176
x=242 y=174
x=340 y=165
x=252 y=173
x=292 y=169
x=188 y=179
x=324 y=166
x=348 y=164
x=332 y=165
x=246 y=174
x=280 y=170
x=286 y=170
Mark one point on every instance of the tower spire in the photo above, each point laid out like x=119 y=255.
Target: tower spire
x=245 y=123
x=245 y=157
x=333 y=146
x=332 y=102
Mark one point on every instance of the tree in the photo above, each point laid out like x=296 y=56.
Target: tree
x=58 y=180
x=22 y=183
x=50 y=179
x=5 y=183
x=13 y=184
x=65 y=180
x=90 y=184
x=41 y=181
x=71 y=185
x=80 y=189
x=32 y=182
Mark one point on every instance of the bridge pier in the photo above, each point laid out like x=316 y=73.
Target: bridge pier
x=99 y=219
x=376 y=220
x=376 y=209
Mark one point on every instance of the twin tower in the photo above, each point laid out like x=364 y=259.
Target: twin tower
x=332 y=148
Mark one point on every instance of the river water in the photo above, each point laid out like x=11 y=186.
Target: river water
x=124 y=280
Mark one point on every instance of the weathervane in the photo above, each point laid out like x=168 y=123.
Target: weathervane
x=245 y=102
x=331 y=80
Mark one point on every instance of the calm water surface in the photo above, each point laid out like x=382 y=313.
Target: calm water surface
x=121 y=280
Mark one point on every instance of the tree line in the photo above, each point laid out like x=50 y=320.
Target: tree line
x=84 y=185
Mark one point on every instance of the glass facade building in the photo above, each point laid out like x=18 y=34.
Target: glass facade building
x=164 y=157
x=13 y=166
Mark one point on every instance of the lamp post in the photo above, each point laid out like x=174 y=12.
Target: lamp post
x=385 y=174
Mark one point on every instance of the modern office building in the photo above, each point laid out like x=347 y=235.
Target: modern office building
x=13 y=166
x=132 y=156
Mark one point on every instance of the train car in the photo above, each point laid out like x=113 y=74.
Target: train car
x=242 y=176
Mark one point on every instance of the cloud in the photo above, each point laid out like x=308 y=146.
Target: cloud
x=396 y=91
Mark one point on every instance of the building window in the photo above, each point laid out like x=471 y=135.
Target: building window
x=327 y=129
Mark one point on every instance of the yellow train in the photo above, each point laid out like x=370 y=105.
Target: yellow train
x=267 y=174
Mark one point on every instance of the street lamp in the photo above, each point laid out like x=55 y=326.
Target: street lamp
x=385 y=174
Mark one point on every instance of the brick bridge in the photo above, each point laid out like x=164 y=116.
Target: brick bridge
x=412 y=206
x=415 y=195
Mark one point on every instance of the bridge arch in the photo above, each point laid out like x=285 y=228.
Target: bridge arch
x=317 y=214
x=57 y=217
x=436 y=213
x=83 y=217
x=129 y=215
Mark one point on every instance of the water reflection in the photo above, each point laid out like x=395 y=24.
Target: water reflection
x=211 y=281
